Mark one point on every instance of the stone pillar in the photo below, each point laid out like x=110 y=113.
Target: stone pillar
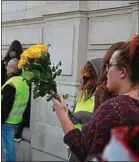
x=67 y=32
x=135 y=10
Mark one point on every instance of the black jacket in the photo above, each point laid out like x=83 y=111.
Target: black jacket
x=3 y=73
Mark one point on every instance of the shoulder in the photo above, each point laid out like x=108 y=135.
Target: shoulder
x=8 y=88
x=14 y=81
x=117 y=101
x=117 y=105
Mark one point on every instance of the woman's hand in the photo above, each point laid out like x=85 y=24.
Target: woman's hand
x=61 y=109
x=60 y=106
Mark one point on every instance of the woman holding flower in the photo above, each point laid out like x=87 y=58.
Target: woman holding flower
x=123 y=78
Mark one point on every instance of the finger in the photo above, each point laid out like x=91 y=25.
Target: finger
x=55 y=101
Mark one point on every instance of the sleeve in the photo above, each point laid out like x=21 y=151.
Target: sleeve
x=7 y=102
x=3 y=73
x=95 y=134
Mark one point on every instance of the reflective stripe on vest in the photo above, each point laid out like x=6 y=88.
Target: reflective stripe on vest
x=20 y=105
x=16 y=113
x=21 y=99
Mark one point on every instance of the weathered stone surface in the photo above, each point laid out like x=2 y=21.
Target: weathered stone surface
x=42 y=156
x=26 y=134
x=42 y=112
x=49 y=139
x=23 y=151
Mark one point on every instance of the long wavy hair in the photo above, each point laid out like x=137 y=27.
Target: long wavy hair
x=102 y=93
x=87 y=89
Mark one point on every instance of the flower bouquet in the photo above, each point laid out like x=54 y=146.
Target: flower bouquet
x=37 y=68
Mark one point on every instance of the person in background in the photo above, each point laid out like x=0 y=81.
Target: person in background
x=102 y=93
x=123 y=79
x=14 y=51
x=85 y=102
x=13 y=105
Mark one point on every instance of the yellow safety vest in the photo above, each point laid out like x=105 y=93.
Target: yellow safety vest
x=21 y=99
x=84 y=106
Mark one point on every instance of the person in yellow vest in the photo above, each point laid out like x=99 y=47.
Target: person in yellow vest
x=15 y=95
x=85 y=102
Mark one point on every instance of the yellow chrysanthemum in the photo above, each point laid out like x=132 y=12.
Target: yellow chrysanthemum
x=21 y=63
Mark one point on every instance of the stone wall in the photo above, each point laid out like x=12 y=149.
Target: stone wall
x=77 y=31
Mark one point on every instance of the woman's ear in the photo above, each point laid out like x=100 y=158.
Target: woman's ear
x=124 y=73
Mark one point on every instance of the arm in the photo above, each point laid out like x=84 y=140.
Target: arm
x=94 y=135
x=3 y=73
x=7 y=102
x=66 y=123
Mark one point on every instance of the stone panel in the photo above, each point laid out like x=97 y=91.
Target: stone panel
x=95 y=54
x=116 y=27
x=61 y=6
x=22 y=10
x=34 y=4
x=61 y=37
x=18 y=6
x=112 y=4
x=28 y=34
x=42 y=112
x=49 y=139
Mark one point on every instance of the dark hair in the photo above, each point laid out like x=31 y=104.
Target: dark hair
x=87 y=90
x=102 y=93
x=15 y=46
x=129 y=58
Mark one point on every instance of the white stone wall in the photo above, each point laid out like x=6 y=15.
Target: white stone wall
x=77 y=31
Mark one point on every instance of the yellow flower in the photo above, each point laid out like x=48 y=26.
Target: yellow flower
x=21 y=63
x=24 y=55
x=34 y=53
x=43 y=47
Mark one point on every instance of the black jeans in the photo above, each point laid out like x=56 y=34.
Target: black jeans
x=19 y=131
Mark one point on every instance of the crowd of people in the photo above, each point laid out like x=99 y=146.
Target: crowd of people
x=106 y=114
